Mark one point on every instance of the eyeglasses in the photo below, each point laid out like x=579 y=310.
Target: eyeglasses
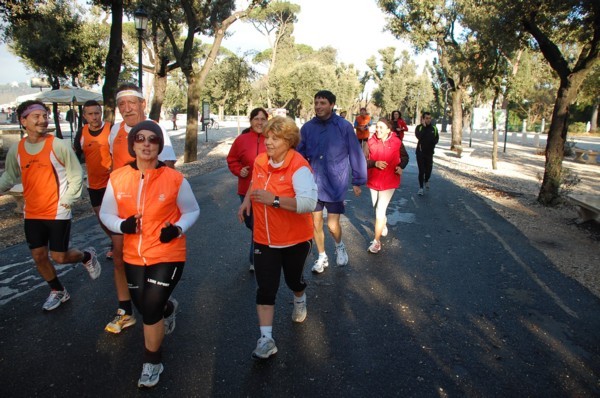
x=152 y=139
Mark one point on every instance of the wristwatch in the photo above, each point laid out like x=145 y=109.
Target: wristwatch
x=276 y=202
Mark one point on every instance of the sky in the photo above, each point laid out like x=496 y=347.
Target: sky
x=355 y=28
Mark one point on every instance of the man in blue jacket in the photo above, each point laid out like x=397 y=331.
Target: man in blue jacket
x=330 y=145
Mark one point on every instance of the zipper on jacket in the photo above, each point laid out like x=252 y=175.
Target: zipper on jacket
x=266 y=217
x=141 y=201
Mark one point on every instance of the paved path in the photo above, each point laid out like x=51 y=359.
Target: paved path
x=458 y=303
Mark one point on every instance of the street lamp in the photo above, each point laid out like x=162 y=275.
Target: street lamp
x=445 y=118
x=141 y=23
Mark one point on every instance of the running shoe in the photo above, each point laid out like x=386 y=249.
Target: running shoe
x=374 y=247
x=251 y=268
x=420 y=192
x=109 y=254
x=170 y=320
x=120 y=322
x=56 y=298
x=320 y=264
x=341 y=256
x=299 y=313
x=150 y=374
x=265 y=347
x=92 y=265
x=427 y=185
x=384 y=232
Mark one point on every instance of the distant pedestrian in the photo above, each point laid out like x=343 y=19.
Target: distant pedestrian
x=427 y=138
x=282 y=195
x=399 y=125
x=332 y=150
x=52 y=177
x=174 y=118
x=240 y=160
x=362 y=123
x=153 y=206
x=386 y=158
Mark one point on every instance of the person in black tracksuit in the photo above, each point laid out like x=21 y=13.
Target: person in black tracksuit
x=427 y=138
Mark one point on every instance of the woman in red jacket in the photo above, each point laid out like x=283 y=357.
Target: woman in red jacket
x=386 y=158
x=399 y=124
x=282 y=196
x=240 y=160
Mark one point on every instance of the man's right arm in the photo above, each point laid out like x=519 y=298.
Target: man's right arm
x=12 y=172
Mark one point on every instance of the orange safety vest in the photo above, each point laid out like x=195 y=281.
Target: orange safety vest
x=152 y=194
x=97 y=156
x=120 y=149
x=272 y=226
x=362 y=121
x=44 y=178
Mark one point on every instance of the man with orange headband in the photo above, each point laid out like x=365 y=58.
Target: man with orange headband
x=132 y=106
x=52 y=179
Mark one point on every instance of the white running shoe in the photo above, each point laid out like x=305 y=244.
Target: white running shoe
x=92 y=266
x=150 y=374
x=265 y=347
x=251 y=268
x=374 y=247
x=299 y=313
x=420 y=192
x=320 y=264
x=341 y=256
x=170 y=320
x=427 y=185
x=56 y=298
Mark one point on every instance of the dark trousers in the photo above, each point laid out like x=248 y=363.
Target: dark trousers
x=249 y=221
x=425 y=163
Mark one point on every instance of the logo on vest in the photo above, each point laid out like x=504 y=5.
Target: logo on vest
x=123 y=195
x=162 y=197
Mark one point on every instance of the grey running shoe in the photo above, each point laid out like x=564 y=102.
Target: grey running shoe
x=56 y=298
x=341 y=255
x=320 y=264
x=299 y=313
x=251 y=268
x=427 y=185
x=170 y=320
x=265 y=347
x=92 y=265
x=420 y=192
x=150 y=374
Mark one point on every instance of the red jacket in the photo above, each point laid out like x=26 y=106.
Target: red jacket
x=393 y=152
x=277 y=226
x=243 y=152
x=401 y=127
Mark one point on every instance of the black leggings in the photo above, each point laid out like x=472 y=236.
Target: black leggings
x=425 y=163
x=151 y=286
x=268 y=263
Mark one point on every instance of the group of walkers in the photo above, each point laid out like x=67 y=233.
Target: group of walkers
x=287 y=179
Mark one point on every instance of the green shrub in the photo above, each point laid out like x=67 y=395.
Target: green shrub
x=577 y=127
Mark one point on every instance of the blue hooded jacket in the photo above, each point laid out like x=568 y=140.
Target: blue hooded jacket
x=332 y=149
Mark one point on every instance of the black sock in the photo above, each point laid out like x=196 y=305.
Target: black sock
x=126 y=306
x=86 y=257
x=56 y=285
x=153 y=357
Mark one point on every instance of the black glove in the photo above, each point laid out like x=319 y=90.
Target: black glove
x=169 y=233
x=129 y=226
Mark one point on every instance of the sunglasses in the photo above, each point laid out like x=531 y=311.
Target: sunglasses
x=152 y=139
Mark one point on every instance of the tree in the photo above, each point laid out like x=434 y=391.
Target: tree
x=274 y=21
x=567 y=33
x=212 y=18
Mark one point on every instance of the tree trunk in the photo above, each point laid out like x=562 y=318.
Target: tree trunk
x=114 y=59
x=190 y=153
x=495 y=130
x=555 y=145
x=457 y=114
x=594 y=119
x=160 y=88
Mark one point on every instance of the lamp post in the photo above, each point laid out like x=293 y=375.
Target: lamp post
x=445 y=118
x=141 y=23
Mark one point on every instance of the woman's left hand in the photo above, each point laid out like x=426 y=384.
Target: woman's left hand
x=262 y=196
x=398 y=170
